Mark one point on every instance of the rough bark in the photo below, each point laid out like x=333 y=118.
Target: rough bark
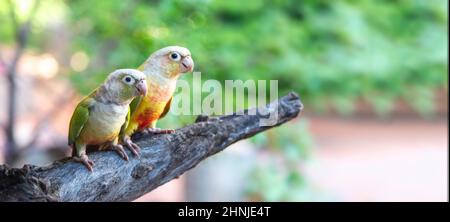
x=163 y=158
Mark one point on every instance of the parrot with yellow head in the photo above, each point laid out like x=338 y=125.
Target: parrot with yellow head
x=162 y=69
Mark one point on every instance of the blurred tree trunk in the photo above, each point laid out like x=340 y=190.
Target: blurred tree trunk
x=21 y=33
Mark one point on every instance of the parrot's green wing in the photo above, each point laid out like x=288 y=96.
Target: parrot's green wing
x=79 y=118
x=124 y=126
x=166 y=108
x=135 y=103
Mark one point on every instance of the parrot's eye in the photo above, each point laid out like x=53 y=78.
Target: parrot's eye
x=175 y=56
x=128 y=80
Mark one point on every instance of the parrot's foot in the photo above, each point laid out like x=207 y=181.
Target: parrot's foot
x=85 y=161
x=135 y=149
x=158 y=131
x=119 y=149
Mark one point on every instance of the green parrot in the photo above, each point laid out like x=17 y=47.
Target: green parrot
x=99 y=117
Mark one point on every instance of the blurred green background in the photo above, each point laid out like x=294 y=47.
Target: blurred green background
x=335 y=54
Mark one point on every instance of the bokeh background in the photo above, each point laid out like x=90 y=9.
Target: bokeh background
x=373 y=76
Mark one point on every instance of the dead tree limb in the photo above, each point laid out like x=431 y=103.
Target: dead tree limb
x=163 y=158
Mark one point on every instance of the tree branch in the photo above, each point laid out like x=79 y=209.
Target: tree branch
x=163 y=158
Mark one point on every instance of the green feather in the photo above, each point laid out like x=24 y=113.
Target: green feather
x=79 y=118
x=135 y=103
x=166 y=108
x=125 y=125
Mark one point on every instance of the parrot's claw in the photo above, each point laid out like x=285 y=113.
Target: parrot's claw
x=85 y=161
x=158 y=131
x=119 y=149
x=135 y=149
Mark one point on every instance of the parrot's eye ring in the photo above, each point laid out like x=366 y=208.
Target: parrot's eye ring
x=128 y=80
x=175 y=56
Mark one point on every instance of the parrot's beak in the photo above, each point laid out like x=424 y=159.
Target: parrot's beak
x=187 y=64
x=141 y=87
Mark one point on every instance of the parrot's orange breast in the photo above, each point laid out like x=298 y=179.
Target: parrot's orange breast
x=152 y=105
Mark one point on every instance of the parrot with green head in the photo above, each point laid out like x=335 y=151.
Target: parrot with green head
x=99 y=117
x=162 y=69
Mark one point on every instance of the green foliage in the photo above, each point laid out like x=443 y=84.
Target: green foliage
x=325 y=50
x=334 y=51
x=270 y=183
x=279 y=177
x=293 y=140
